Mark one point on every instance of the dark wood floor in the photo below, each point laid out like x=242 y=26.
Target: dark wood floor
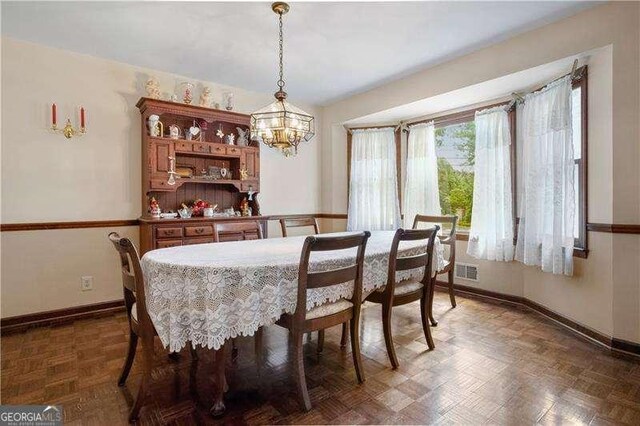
x=493 y=363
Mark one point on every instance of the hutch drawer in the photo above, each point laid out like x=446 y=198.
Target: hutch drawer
x=184 y=146
x=197 y=231
x=169 y=243
x=158 y=184
x=169 y=232
x=200 y=147
x=218 y=149
x=231 y=150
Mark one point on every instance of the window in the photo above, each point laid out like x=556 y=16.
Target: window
x=579 y=127
x=455 y=149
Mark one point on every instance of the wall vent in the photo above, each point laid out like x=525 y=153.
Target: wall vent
x=467 y=271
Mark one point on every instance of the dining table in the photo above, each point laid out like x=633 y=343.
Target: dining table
x=206 y=294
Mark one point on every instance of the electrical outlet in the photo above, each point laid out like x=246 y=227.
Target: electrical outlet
x=86 y=283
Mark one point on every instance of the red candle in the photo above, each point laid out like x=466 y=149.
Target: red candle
x=53 y=114
x=82 y=118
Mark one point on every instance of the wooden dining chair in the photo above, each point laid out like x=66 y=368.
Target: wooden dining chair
x=298 y=222
x=407 y=291
x=305 y=320
x=140 y=325
x=237 y=231
x=450 y=263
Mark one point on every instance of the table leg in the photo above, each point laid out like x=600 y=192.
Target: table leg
x=218 y=407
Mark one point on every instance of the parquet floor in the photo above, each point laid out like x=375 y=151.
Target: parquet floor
x=493 y=363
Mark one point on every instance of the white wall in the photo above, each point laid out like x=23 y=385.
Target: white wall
x=604 y=293
x=46 y=177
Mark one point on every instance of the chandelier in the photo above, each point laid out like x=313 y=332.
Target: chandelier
x=281 y=125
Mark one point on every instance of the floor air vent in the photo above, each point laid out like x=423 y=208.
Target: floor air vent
x=467 y=271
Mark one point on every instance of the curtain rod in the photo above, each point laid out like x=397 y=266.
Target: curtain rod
x=576 y=74
x=395 y=127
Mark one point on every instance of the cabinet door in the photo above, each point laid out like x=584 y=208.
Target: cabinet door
x=252 y=163
x=161 y=151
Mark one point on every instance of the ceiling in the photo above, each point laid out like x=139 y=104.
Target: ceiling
x=332 y=50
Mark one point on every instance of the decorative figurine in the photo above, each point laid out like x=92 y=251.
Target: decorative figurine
x=154 y=207
x=228 y=100
x=153 y=88
x=244 y=174
x=187 y=94
x=174 y=98
x=174 y=132
x=250 y=192
x=220 y=134
x=230 y=138
x=216 y=105
x=223 y=173
x=244 y=207
x=205 y=97
x=192 y=132
x=156 y=128
x=243 y=137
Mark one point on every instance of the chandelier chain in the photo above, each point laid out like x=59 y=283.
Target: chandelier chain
x=281 y=76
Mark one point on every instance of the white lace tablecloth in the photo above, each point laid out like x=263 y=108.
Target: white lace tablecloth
x=208 y=293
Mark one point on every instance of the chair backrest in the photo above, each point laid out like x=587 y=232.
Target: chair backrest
x=132 y=278
x=312 y=280
x=298 y=222
x=424 y=259
x=453 y=220
x=237 y=231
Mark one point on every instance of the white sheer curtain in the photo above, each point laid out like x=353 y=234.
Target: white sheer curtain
x=421 y=193
x=373 y=187
x=545 y=231
x=491 y=234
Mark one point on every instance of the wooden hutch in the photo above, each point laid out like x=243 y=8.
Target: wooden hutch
x=205 y=151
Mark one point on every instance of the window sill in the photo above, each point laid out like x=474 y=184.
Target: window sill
x=580 y=252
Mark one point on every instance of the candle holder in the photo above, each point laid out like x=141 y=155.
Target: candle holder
x=68 y=130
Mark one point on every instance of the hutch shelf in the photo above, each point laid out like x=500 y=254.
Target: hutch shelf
x=204 y=152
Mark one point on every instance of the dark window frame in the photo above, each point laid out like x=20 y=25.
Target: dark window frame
x=581 y=244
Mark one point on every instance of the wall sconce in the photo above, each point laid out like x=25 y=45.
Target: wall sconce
x=68 y=130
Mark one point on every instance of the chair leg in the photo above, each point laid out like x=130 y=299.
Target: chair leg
x=128 y=362
x=452 y=296
x=355 y=347
x=320 y=341
x=388 y=339
x=298 y=364
x=147 y=365
x=434 y=323
x=424 y=308
x=343 y=338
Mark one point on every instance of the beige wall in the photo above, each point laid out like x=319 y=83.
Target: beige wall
x=604 y=294
x=46 y=177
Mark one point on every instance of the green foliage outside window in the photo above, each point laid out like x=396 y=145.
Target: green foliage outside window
x=456 y=158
